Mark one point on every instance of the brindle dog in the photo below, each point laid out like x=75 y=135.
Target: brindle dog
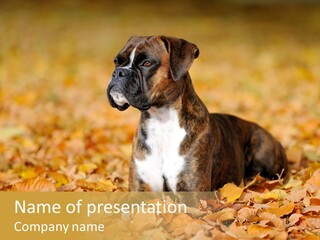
x=178 y=145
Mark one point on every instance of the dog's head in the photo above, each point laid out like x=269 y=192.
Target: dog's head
x=147 y=71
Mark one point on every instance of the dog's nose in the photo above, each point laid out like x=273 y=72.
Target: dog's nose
x=120 y=73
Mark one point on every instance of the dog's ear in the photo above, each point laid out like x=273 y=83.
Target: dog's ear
x=182 y=53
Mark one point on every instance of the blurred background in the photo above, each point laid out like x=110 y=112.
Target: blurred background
x=259 y=60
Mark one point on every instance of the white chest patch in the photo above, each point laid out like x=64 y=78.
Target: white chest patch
x=164 y=137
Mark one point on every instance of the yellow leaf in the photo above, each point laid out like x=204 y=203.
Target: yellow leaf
x=223 y=215
x=280 y=211
x=87 y=167
x=28 y=173
x=293 y=182
x=60 y=178
x=274 y=194
x=231 y=192
x=261 y=231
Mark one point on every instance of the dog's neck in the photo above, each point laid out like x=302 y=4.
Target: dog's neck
x=186 y=102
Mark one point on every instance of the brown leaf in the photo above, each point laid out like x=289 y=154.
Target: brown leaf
x=311 y=209
x=294 y=218
x=297 y=194
x=313 y=183
x=274 y=221
x=246 y=214
x=315 y=201
x=102 y=186
x=194 y=212
x=34 y=185
x=223 y=215
x=313 y=222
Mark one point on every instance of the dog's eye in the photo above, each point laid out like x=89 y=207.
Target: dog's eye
x=147 y=63
x=119 y=60
x=115 y=61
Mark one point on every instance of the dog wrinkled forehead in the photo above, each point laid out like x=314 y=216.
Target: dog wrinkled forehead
x=151 y=44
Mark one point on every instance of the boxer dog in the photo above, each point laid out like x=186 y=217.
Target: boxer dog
x=178 y=145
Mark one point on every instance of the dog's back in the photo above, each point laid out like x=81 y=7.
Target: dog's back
x=251 y=149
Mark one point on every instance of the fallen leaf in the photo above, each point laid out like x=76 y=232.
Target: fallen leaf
x=231 y=192
x=60 y=179
x=238 y=232
x=276 y=194
x=102 y=186
x=194 y=212
x=246 y=214
x=280 y=211
x=313 y=223
x=294 y=218
x=223 y=215
x=293 y=182
x=34 y=185
x=28 y=173
x=274 y=221
x=315 y=201
x=87 y=167
x=297 y=194
x=261 y=232
x=311 y=209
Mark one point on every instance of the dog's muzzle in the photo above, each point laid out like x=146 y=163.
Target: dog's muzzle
x=125 y=90
x=117 y=87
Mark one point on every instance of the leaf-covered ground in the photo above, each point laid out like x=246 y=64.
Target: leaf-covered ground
x=260 y=62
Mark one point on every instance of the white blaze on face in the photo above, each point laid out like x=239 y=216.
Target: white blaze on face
x=118 y=97
x=164 y=137
x=131 y=58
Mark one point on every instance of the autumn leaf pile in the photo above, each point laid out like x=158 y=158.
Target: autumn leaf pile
x=260 y=62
